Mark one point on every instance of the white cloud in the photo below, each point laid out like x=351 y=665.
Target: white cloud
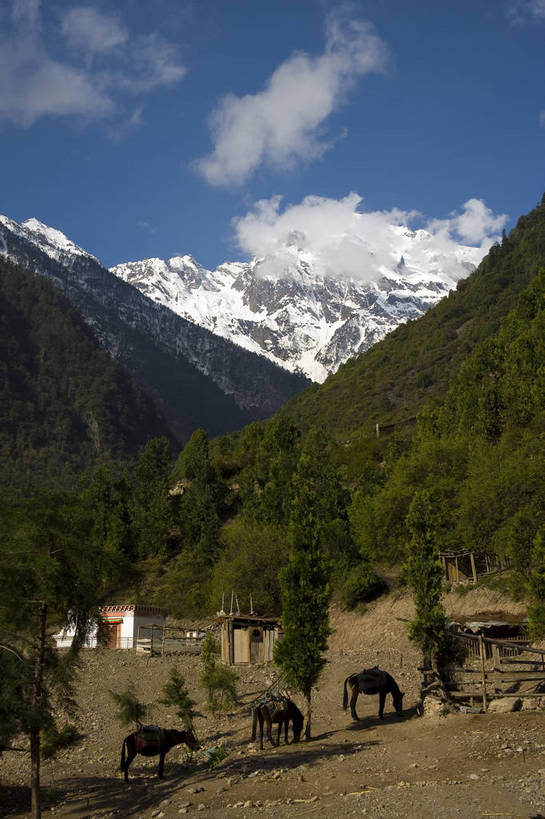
x=151 y=62
x=32 y=86
x=84 y=68
x=89 y=31
x=522 y=10
x=280 y=125
x=347 y=243
x=476 y=224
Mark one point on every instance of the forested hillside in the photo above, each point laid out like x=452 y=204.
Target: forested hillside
x=65 y=405
x=470 y=374
x=413 y=365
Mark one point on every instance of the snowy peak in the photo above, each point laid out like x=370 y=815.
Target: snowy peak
x=48 y=239
x=299 y=308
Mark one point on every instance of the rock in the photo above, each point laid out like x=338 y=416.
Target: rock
x=247 y=804
x=532 y=704
x=201 y=806
x=474 y=776
x=505 y=706
x=433 y=707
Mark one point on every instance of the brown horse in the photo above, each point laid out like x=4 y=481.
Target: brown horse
x=372 y=681
x=280 y=712
x=153 y=742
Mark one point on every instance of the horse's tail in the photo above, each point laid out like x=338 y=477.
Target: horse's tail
x=345 y=694
x=254 y=724
x=122 y=766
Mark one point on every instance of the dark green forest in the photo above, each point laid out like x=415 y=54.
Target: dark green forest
x=65 y=405
x=459 y=397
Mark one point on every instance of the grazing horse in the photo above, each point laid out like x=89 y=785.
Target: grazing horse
x=281 y=712
x=372 y=681
x=154 y=741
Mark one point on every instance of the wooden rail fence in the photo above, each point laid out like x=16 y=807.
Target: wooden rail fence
x=480 y=683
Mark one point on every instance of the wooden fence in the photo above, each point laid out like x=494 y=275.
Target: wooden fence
x=167 y=640
x=502 y=679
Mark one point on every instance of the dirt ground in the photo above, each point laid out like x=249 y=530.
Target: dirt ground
x=461 y=765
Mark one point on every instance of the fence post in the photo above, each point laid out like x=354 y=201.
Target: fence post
x=496 y=656
x=473 y=569
x=482 y=652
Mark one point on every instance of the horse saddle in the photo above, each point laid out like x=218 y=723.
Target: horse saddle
x=368 y=680
x=150 y=737
x=275 y=704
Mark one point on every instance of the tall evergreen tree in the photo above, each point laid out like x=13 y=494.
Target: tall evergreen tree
x=428 y=629
x=304 y=582
x=50 y=575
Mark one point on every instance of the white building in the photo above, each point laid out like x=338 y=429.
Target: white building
x=122 y=623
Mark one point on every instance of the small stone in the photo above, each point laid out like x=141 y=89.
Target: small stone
x=247 y=804
x=201 y=806
x=474 y=776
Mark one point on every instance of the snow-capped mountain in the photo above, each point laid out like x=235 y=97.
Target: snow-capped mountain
x=195 y=377
x=295 y=310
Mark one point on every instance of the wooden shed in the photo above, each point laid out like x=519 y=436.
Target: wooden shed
x=247 y=639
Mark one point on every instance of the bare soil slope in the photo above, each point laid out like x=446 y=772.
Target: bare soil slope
x=466 y=765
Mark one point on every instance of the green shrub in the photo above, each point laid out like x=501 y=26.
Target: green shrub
x=218 y=681
x=362 y=585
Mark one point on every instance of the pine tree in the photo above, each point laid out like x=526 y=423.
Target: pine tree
x=304 y=582
x=176 y=694
x=428 y=629
x=50 y=574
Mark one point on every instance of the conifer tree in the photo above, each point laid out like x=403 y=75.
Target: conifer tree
x=304 y=582
x=176 y=694
x=50 y=575
x=428 y=629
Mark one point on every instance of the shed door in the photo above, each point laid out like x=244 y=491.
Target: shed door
x=256 y=646
x=241 y=647
x=114 y=632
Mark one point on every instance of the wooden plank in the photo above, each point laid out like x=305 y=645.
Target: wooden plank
x=482 y=652
x=473 y=569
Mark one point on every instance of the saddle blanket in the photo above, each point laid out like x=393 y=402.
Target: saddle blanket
x=370 y=680
x=150 y=737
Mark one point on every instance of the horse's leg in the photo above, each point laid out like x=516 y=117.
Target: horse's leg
x=286 y=727
x=161 y=763
x=353 y=701
x=268 y=723
x=131 y=753
x=279 y=731
x=382 y=700
x=260 y=718
x=254 y=724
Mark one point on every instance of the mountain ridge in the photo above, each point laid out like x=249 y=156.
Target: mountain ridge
x=292 y=307
x=196 y=378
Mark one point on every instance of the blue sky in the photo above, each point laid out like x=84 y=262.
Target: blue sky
x=161 y=127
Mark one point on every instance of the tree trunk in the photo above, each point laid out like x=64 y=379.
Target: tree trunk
x=35 y=729
x=309 y=715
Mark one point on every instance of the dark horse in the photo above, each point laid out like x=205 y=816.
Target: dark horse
x=372 y=681
x=281 y=712
x=154 y=741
